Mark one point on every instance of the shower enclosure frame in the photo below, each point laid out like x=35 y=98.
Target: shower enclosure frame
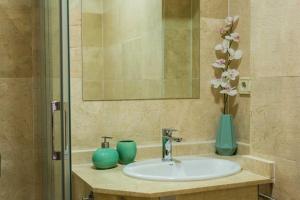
x=55 y=79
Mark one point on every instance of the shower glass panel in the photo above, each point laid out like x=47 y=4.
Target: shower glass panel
x=57 y=157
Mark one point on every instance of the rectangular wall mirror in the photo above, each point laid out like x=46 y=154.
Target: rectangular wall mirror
x=140 y=49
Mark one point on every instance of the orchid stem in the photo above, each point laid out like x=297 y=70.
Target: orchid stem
x=226 y=109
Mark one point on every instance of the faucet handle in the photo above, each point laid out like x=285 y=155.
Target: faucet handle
x=177 y=139
x=168 y=131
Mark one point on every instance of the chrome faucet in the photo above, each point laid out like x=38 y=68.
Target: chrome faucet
x=167 y=139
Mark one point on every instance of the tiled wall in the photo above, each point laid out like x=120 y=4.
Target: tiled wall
x=275 y=108
x=17 y=138
x=142 y=120
x=37 y=97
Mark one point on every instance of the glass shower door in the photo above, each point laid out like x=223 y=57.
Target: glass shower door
x=58 y=155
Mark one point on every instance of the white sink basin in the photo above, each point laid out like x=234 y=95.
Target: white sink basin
x=189 y=169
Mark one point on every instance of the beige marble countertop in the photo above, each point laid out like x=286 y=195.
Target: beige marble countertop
x=114 y=182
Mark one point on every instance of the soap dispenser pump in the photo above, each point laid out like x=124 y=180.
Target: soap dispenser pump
x=105 y=157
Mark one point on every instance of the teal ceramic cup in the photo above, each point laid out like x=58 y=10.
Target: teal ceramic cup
x=127 y=151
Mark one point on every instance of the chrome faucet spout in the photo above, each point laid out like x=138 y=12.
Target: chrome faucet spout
x=167 y=139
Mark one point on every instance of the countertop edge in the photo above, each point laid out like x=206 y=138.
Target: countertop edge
x=180 y=192
x=175 y=192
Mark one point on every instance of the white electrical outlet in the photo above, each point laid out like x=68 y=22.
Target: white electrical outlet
x=245 y=85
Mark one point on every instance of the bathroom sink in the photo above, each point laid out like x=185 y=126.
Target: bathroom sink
x=183 y=169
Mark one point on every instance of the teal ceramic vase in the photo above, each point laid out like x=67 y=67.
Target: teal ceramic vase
x=105 y=157
x=226 y=141
x=127 y=151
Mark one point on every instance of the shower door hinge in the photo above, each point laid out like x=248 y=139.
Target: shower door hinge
x=55 y=106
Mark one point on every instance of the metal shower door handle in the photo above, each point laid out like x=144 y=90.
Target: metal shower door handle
x=55 y=106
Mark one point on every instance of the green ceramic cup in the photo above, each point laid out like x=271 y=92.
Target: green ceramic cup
x=127 y=151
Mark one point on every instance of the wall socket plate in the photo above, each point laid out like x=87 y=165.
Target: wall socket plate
x=245 y=85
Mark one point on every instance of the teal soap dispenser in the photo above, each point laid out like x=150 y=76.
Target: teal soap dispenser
x=105 y=157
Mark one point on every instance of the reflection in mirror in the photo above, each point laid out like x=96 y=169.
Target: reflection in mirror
x=140 y=49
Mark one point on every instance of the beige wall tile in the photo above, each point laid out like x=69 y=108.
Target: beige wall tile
x=287 y=179
x=16 y=138
x=87 y=122
x=214 y=9
x=75 y=36
x=241 y=111
x=75 y=7
x=93 y=6
x=15 y=40
x=274 y=129
x=76 y=62
x=16 y=4
x=275 y=28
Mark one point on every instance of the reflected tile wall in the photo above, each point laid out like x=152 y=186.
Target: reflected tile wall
x=181 y=48
x=125 y=58
x=121 y=29
x=177 y=39
x=92 y=47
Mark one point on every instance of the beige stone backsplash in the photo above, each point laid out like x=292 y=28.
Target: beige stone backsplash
x=82 y=156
